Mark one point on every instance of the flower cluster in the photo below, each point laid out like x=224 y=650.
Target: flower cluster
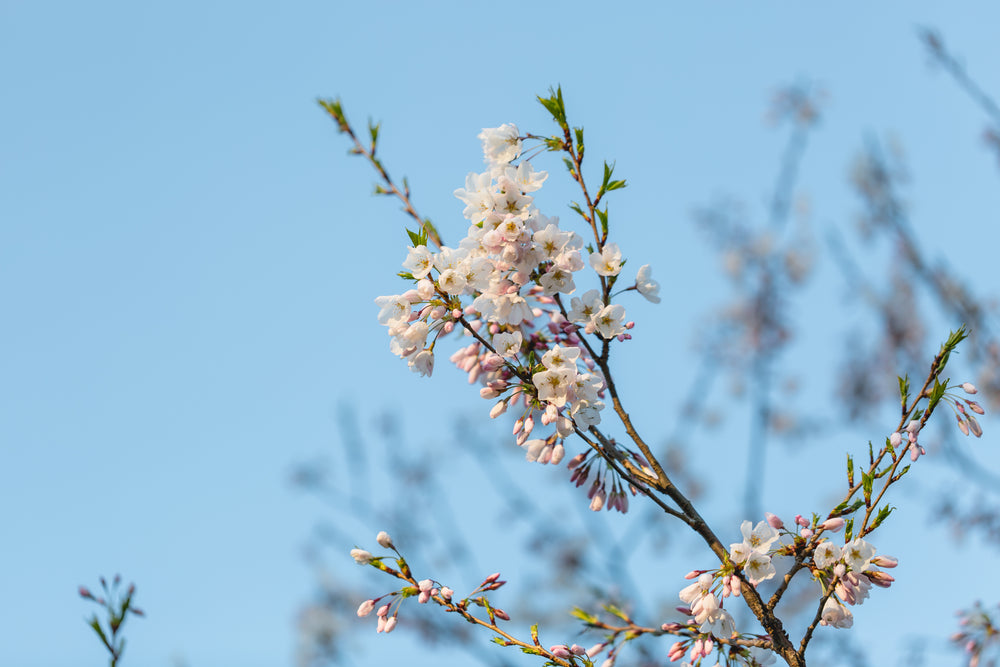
x=387 y=614
x=503 y=285
x=710 y=623
x=962 y=407
x=966 y=422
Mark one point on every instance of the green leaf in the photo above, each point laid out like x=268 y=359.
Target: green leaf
x=578 y=131
x=373 y=129
x=843 y=509
x=555 y=106
x=882 y=515
x=603 y=217
x=904 y=389
x=583 y=615
x=936 y=393
x=850 y=470
x=615 y=611
x=866 y=485
x=848 y=530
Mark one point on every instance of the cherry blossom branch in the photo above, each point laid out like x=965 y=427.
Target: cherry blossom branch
x=426 y=591
x=336 y=111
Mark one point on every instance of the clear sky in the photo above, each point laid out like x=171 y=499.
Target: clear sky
x=188 y=260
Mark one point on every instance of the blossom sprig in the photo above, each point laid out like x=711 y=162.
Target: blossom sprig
x=117 y=607
x=693 y=643
x=502 y=285
x=431 y=591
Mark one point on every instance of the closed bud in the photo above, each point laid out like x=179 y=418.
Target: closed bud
x=384 y=540
x=879 y=578
x=975 y=407
x=559 y=651
x=366 y=608
x=833 y=525
x=885 y=561
x=962 y=425
x=774 y=521
x=969 y=388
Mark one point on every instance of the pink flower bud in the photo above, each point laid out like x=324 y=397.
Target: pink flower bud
x=576 y=460
x=975 y=407
x=446 y=593
x=595 y=649
x=576 y=649
x=969 y=388
x=880 y=578
x=895 y=439
x=498 y=409
x=833 y=525
x=529 y=424
x=597 y=501
x=85 y=592
x=774 y=521
x=366 y=608
x=974 y=427
x=456 y=313
x=676 y=652
x=491 y=362
x=801 y=521
x=559 y=651
x=962 y=425
x=885 y=561
x=806 y=533
x=490 y=579
x=380 y=626
x=390 y=624
x=913 y=427
x=384 y=540
x=736 y=585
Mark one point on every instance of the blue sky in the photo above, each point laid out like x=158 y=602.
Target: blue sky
x=189 y=260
